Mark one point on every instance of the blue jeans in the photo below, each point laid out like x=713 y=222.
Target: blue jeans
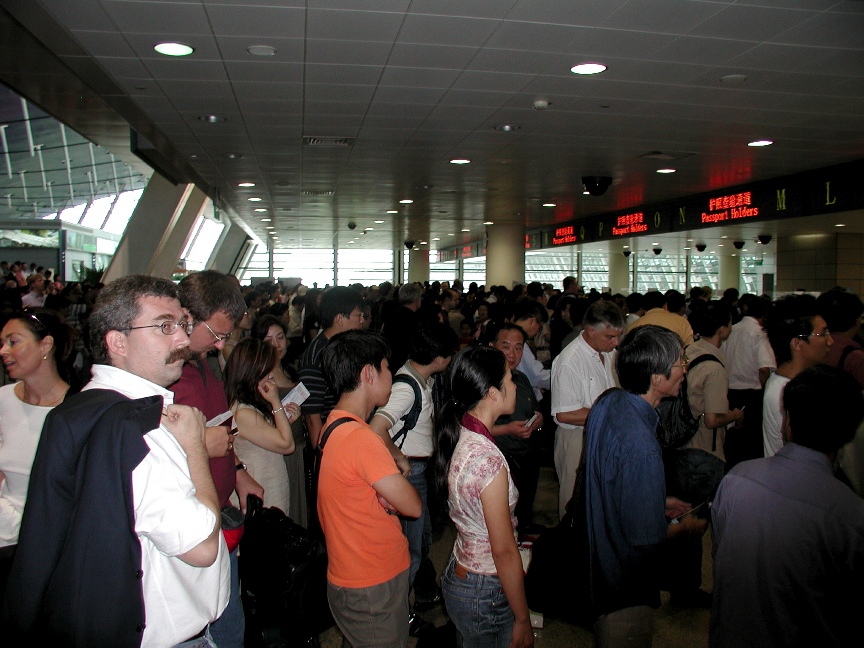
x=229 y=628
x=478 y=608
x=418 y=531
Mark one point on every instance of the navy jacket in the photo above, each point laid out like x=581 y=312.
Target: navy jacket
x=76 y=577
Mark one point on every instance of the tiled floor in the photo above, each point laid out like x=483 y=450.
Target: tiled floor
x=674 y=628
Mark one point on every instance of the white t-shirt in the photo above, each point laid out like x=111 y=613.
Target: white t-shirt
x=579 y=377
x=747 y=351
x=418 y=440
x=179 y=599
x=20 y=429
x=772 y=414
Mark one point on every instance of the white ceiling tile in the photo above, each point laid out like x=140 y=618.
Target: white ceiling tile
x=253 y=90
x=667 y=16
x=519 y=61
x=258 y=22
x=175 y=69
x=344 y=52
x=751 y=23
x=418 y=77
x=564 y=12
x=157 y=17
x=444 y=30
x=535 y=37
x=431 y=56
x=493 y=81
x=101 y=43
x=343 y=74
x=352 y=25
x=420 y=96
x=288 y=50
x=333 y=92
x=484 y=9
x=265 y=70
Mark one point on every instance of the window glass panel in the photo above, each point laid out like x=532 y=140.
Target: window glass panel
x=368 y=267
x=73 y=214
x=550 y=266
x=661 y=272
x=201 y=244
x=97 y=211
x=474 y=270
x=705 y=271
x=122 y=212
x=444 y=271
x=595 y=270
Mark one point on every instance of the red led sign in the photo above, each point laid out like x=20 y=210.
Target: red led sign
x=564 y=235
x=630 y=224
x=730 y=207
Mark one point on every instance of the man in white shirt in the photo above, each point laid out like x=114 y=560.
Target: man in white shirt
x=583 y=371
x=139 y=339
x=530 y=316
x=750 y=362
x=36 y=297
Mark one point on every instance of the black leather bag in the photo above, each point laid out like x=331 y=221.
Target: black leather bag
x=283 y=578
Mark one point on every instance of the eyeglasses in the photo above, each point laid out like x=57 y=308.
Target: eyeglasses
x=219 y=338
x=824 y=334
x=168 y=327
x=683 y=364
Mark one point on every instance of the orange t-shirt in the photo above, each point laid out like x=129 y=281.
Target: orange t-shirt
x=365 y=545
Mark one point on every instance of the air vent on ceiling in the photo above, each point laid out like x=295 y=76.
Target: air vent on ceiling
x=313 y=192
x=340 y=142
x=661 y=155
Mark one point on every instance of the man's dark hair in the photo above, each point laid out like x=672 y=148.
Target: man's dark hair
x=117 y=307
x=534 y=290
x=817 y=391
x=430 y=341
x=568 y=281
x=347 y=353
x=707 y=320
x=790 y=317
x=339 y=300
x=603 y=313
x=675 y=301
x=508 y=326
x=653 y=299
x=208 y=292
x=634 y=302
x=754 y=306
x=528 y=308
x=840 y=309
x=644 y=352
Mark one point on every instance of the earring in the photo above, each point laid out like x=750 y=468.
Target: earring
x=44 y=357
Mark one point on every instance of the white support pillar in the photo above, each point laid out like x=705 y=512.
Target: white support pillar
x=729 y=275
x=505 y=254
x=619 y=270
x=418 y=266
x=157 y=231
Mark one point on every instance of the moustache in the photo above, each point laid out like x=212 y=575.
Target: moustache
x=183 y=353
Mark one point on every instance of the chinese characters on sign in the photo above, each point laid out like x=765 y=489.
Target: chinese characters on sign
x=564 y=235
x=630 y=224
x=729 y=208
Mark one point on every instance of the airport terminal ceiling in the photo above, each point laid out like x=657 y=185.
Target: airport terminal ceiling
x=337 y=111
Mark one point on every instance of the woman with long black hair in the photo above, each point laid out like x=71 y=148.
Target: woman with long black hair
x=483 y=582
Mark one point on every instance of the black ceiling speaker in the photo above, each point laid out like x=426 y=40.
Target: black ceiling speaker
x=596 y=185
x=626 y=253
x=764 y=239
x=701 y=247
x=658 y=250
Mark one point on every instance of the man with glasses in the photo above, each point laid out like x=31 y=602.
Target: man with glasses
x=800 y=339
x=214 y=303
x=120 y=541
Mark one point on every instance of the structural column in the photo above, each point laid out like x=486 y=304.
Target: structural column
x=505 y=254
x=619 y=271
x=157 y=231
x=729 y=275
x=418 y=266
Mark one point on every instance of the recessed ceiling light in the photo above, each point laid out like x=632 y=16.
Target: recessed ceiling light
x=269 y=227
x=507 y=128
x=488 y=223
x=378 y=222
x=173 y=49
x=626 y=246
x=548 y=204
x=840 y=225
x=460 y=161
x=266 y=220
x=212 y=119
x=423 y=243
x=260 y=209
x=233 y=156
x=732 y=79
x=406 y=201
x=586 y=192
x=665 y=170
x=451 y=234
x=588 y=68
x=246 y=184
x=261 y=50
x=655 y=244
x=350 y=242
x=466 y=229
x=724 y=237
x=436 y=239
x=368 y=229
x=686 y=248
x=720 y=245
x=254 y=199
x=764 y=142
x=392 y=211
x=689 y=240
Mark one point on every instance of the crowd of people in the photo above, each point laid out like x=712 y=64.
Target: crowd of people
x=140 y=416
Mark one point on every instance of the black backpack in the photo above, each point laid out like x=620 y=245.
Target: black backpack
x=677 y=425
x=413 y=415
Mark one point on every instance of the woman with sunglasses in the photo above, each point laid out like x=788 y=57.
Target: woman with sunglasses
x=272 y=330
x=483 y=582
x=35 y=346
x=263 y=423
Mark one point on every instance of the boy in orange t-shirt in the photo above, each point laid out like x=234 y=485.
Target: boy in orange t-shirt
x=360 y=489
